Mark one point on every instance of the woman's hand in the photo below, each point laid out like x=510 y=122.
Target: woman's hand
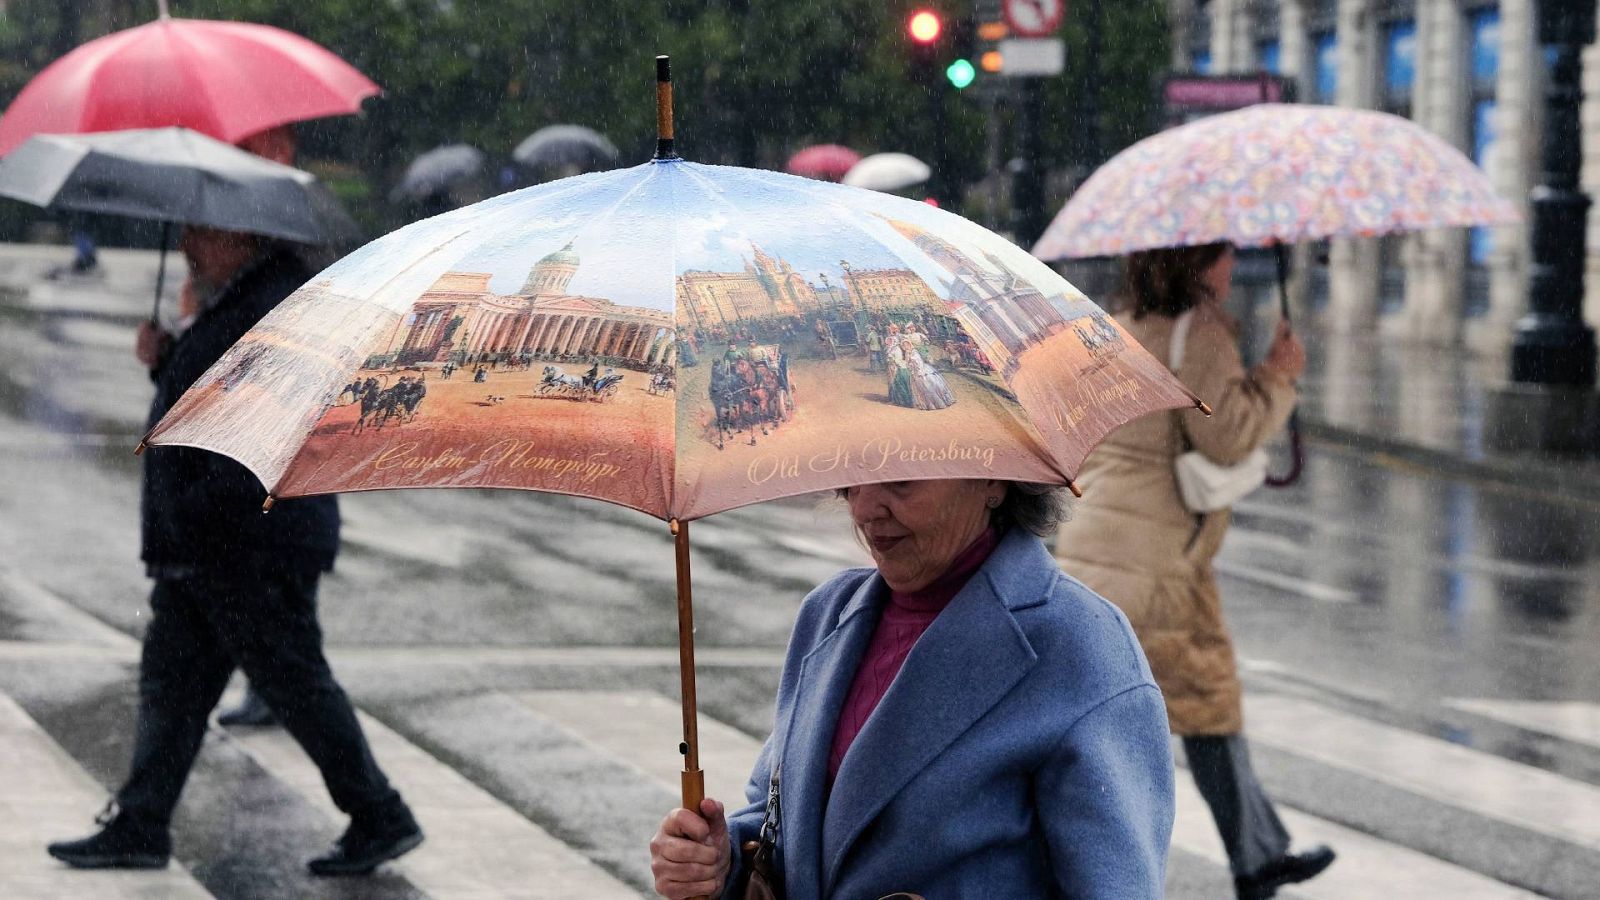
x=1286 y=356
x=690 y=853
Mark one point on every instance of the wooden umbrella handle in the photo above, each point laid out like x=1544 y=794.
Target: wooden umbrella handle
x=694 y=780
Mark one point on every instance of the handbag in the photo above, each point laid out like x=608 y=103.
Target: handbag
x=764 y=881
x=1204 y=485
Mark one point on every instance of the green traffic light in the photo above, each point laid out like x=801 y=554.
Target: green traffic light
x=961 y=73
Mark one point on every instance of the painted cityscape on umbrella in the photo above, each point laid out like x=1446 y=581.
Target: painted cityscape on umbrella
x=724 y=358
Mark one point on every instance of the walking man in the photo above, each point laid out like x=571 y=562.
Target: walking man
x=233 y=588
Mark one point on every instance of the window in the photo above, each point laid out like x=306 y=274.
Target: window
x=1201 y=62
x=1483 y=49
x=1326 y=47
x=1269 y=57
x=1399 y=65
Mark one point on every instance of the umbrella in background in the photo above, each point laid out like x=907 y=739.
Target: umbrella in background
x=888 y=172
x=173 y=175
x=827 y=162
x=228 y=80
x=575 y=312
x=1271 y=175
x=437 y=172
x=566 y=147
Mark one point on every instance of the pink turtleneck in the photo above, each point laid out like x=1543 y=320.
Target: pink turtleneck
x=906 y=616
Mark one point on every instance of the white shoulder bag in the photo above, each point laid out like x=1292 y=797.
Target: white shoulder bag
x=1204 y=485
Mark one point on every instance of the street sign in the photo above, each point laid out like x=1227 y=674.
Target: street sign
x=1032 y=57
x=1035 y=18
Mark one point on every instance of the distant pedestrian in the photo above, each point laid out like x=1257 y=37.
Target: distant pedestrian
x=233 y=588
x=1163 y=580
x=480 y=375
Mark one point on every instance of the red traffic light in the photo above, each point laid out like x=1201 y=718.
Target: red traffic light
x=925 y=26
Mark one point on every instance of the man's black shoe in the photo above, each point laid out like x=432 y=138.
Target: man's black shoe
x=252 y=710
x=1292 y=868
x=121 y=844
x=365 y=846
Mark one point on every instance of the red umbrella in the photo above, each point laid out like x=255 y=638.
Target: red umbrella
x=828 y=162
x=228 y=80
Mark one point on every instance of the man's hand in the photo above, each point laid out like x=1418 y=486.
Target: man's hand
x=690 y=854
x=151 y=343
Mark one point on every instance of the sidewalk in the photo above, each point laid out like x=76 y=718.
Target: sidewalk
x=1423 y=405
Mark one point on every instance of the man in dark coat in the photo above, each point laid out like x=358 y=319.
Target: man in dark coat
x=234 y=587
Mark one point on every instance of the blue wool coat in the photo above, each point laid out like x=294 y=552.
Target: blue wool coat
x=1021 y=752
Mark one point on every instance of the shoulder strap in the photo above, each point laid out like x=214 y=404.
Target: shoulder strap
x=1180 y=339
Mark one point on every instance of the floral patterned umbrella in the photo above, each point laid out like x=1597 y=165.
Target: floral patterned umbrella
x=1274 y=174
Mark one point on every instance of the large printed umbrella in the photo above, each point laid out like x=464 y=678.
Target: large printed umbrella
x=677 y=338
x=1274 y=174
x=228 y=80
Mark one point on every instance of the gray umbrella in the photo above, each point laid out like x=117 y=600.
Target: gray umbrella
x=174 y=175
x=566 y=145
x=437 y=171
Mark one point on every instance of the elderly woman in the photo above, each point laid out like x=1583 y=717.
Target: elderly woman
x=961 y=721
x=1134 y=541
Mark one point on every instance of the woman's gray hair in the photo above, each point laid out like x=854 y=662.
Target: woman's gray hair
x=1037 y=508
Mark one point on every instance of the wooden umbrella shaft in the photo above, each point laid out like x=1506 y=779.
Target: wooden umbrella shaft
x=694 y=787
x=664 y=149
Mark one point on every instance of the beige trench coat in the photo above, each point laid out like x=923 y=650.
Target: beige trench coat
x=1132 y=540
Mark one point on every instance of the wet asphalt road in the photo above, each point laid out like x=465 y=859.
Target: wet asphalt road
x=1420 y=613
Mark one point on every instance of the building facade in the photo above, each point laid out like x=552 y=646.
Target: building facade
x=1470 y=71
x=460 y=319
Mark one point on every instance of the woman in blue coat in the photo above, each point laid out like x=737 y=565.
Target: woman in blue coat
x=962 y=721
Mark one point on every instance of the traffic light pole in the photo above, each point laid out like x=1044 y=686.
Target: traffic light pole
x=1027 y=178
x=1553 y=345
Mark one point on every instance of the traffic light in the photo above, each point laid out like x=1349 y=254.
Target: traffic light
x=961 y=73
x=925 y=26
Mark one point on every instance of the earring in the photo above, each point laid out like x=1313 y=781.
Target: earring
x=993 y=503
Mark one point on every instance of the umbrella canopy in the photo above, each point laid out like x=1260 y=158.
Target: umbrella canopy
x=559 y=146
x=888 y=172
x=677 y=338
x=228 y=80
x=174 y=175
x=829 y=162
x=437 y=171
x=1274 y=173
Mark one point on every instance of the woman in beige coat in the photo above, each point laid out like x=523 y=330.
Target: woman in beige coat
x=1133 y=541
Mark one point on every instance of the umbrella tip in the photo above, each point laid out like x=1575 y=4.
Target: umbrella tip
x=1073 y=487
x=664 y=108
x=1201 y=405
x=266 y=505
x=139 y=450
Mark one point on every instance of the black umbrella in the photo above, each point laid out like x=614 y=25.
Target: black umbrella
x=437 y=172
x=560 y=146
x=174 y=176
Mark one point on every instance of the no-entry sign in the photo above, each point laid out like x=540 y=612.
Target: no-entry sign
x=1034 y=18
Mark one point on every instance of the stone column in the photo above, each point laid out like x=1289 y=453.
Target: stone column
x=1513 y=166
x=1232 y=50
x=1436 y=259
x=1355 y=271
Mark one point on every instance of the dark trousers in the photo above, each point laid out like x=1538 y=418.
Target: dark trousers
x=1250 y=828
x=266 y=624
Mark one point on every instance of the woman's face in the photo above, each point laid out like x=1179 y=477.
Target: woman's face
x=1219 y=277
x=915 y=529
